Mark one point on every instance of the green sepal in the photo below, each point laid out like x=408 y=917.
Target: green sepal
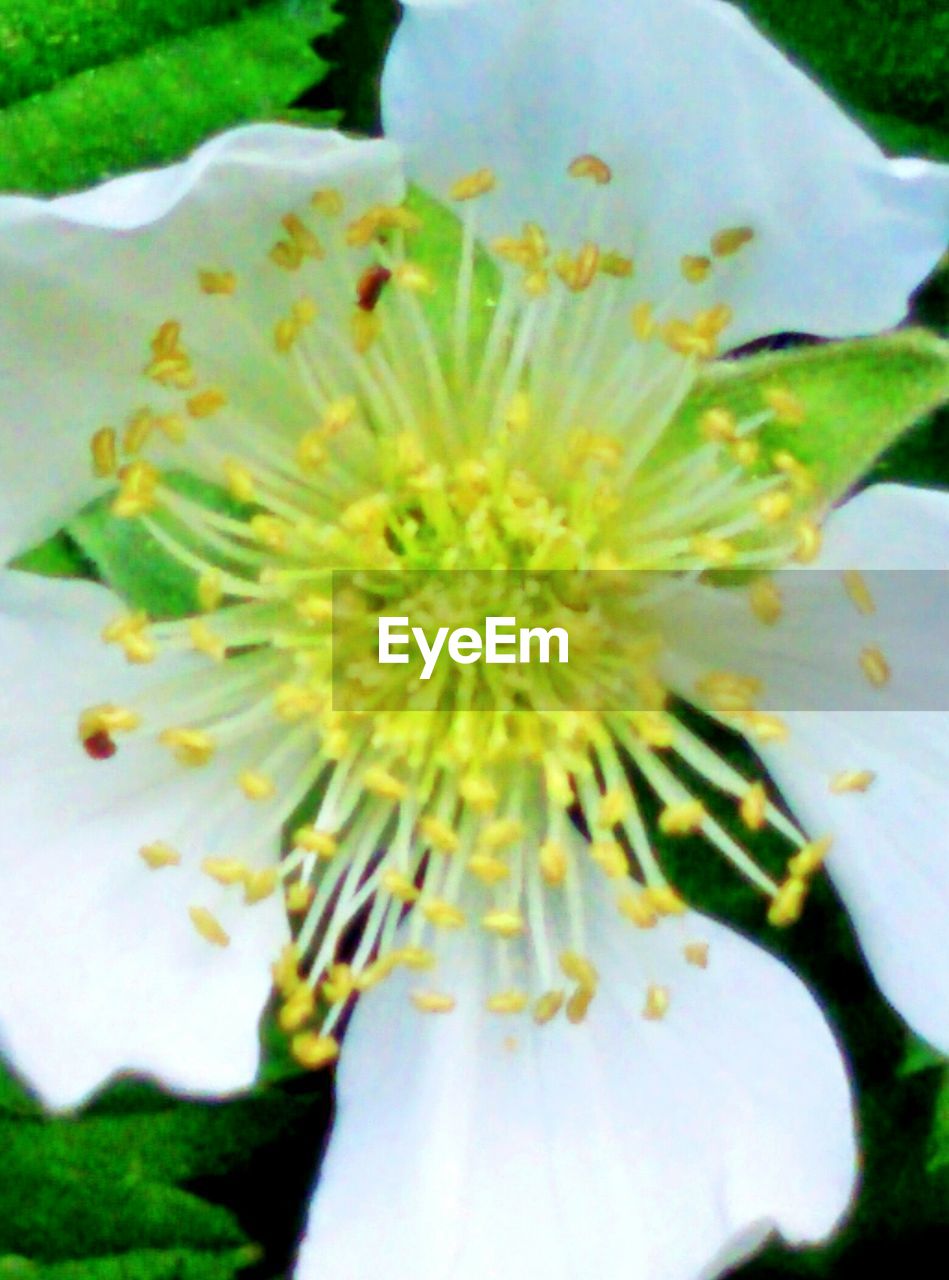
x=127 y=558
x=859 y=397
x=437 y=248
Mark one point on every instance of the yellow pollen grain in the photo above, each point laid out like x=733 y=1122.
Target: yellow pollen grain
x=610 y=858
x=856 y=587
x=695 y=269
x=256 y=785
x=479 y=793
x=298 y=1009
x=553 y=863
x=852 y=780
x=654 y=728
x=592 y=167
x=666 y=900
x=682 y=818
x=299 y=897
x=107 y=718
x=875 y=667
x=438 y=834
x=612 y=809
x=547 y=1006
x=808 y=542
x=104 y=452
x=166 y=339
x=301 y=236
x=398 y=885
x=384 y=784
x=286 y=255
x=366 y=228
x=717 y=552
x=323 y=843
x=503 y=923
x=339 y=984
x=208 y=926
x=785 y=406
x=713 y=321
x=210 y=590
x=643 y=321
x=261 y=884
x=697 y=954
x=158 y=855
x=217 y=282
x=788 y=903
x=637 y=907
x=512 y=1001
x=286 y=970
x=442 y=914
x=766 y=602
x=225 y=871
x=729 y=240
x=754 y=807
x=578 y=1006
x=415 y=958
x=203 y=404
x=314 y=1051
x=657 y=1003
x=774 y=506
x=579 y=969
x=192 y=747
x=766 y=726
x=500 y=834
x=719 y=425
x=433 y=1001
x=473 y=185
x=203 y=640
x=810 y=858
x=328 y=201
x=487 y=868
x=684 y=339
x=137 y=431
x=616 y=265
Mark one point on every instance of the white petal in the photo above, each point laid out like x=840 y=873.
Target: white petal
x=100 y=968
x=466 y=1146
x=705 y=126
x=87 y=279
x=890 y=857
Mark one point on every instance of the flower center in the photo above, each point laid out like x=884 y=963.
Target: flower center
x=509 y=455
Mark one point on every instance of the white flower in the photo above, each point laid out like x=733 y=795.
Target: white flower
x=677 y=1094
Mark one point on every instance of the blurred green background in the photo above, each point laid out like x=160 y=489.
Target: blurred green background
x=143 y=1186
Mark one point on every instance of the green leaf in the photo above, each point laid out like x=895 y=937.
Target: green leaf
x=858 y=397
x=159 y=99
x=920 y=1056
x=939 y=1139
x=133 y=563
x=137 y=1264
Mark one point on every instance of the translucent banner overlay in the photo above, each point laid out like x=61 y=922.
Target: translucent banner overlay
x=611 y=641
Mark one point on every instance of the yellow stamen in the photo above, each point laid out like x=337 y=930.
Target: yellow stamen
x=208 y=926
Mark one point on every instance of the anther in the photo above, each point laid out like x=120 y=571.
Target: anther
x=682 y=818
x=298 y=1009
x=638 y=908
x=696 y=953
x=256 y=785
x=323 y=843
x=438 y=834
x=809 y=858
x=719 y=425
x=643 y=321
x=487 y=868
x=553 y=863
x=512 y=1001
x=852 y=780
x=217 y=282
x=473 y=185
x=370 y=286
x=754 y=807
x=657 y=1003
x=104 y=453
x=875 y=667
x=856 y=587
x=442 y=914
x=695 y=269
x=203 y=640
x=365 y=328
x=547 y=1006
x=785 y=406
x=590 y=166
x=384 y=784
x=610 y=858
x=718 y=553
x=158 y=855
x=301 y=236
x=808 y=542
x=729 y=240
x=328 y=201
x=666 y=900
x=226 y=871
x=314 y=1051
x=765 y=600
x=433 y=1001
x=208 y=926
x=399 y=886
x=788 y=902
x=192 y=747
x=207 y=402
x=259 y=885
x=506 y=924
